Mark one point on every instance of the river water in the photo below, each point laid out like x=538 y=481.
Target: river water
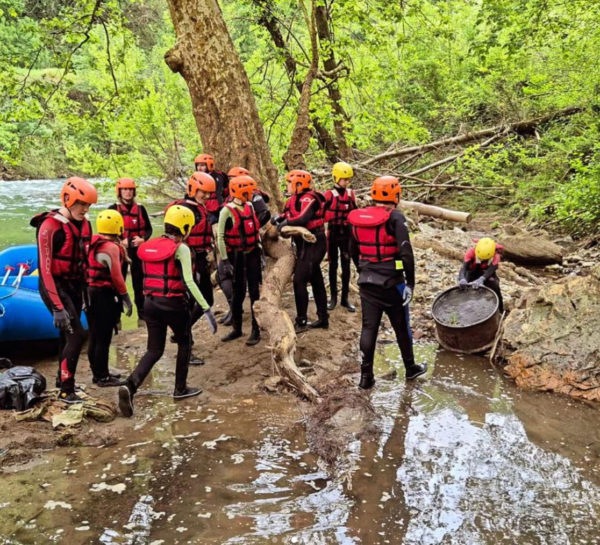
x=462 y=457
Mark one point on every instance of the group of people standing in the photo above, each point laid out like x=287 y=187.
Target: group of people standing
x=219 y=218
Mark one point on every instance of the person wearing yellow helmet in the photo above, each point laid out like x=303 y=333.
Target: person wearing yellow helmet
x=168 y=281
x=107 y=293
x=339 y=202
x=63 y=238
x=480 y=266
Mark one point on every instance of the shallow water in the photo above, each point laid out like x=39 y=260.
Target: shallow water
x=461 y=457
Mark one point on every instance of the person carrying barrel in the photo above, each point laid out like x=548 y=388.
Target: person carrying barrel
x=136 y=229
x=386 y=275
x=168 y=282
x=63 y=238
x=480 y=267
x=206 y=163
x=107 y=293
x=200 y=240
x=305 y=208
x=240 y=254
x=340 y=201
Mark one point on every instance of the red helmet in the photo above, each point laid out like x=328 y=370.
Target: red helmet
x=77 y=189
x=238 y=171
x=200 y=181
x=207 y=159
x=242 y=187
x=300 y=180
x=386 y=189
x=125 y=183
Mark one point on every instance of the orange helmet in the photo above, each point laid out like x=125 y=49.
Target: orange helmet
x=77 y=189
x=207 y=159
x=125 y=183
x=242 y=187
x=200 y=181
x=300 y=180
x=238 y=171
x=386 y=189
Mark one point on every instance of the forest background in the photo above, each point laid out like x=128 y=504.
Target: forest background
x=84 y=89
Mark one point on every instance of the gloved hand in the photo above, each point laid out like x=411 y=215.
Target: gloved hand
x=276 y=219
x=211 y=320
x=462 y=283
x=225 y=269
x=281 y=225
x=128 y=307
x=478 y=282
x=62 y=320
x=407 y=295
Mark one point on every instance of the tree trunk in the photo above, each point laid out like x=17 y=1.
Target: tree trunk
x=531 y=250
x=436 y=211
x=223 y=104
x=330 y=65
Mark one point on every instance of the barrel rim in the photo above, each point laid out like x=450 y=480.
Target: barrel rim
x=453 y=288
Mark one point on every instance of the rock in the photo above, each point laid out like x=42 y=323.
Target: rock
x=553 y=343
x=529 y=249
x=272 y=383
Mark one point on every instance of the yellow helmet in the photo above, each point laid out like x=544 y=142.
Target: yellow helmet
x=341 y=170
x=485 y=249
x=109 y=222
x=181 y=218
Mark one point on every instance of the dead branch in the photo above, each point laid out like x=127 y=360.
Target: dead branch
x=436 y=211
x=518 y=127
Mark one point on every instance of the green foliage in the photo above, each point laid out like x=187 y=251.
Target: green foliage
x=85 y=89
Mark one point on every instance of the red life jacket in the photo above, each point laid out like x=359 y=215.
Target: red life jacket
x=473 y=264
x=201 y=235
x=212 y=204
x=368 y=227
x=69 y=261
x=306 y=199
x=339 y=206
x=162 y=276
x=243 y=234
x=98 y=274
x=134 y=224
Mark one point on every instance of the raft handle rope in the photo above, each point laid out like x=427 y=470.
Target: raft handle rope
x=23 y=267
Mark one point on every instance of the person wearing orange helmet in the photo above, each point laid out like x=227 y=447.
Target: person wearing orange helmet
x=199 y=188
x=206 y=163
x=136 y=229
x=340 y=201
x=63 y=239
x=306 y=208
x=240 y=254
x=386 y=278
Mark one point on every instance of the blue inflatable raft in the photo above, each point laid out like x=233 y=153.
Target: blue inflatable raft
x=23 y=315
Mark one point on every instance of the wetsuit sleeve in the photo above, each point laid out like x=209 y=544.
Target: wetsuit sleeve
x=109 y=256
x=262 y=210
x=306 y=216
x=224 y=216
x=490 y=271
x=184 y=256
x=462 y=274
x=46 y=243
x=400 y=231
x=113 y=206
x=146 y=219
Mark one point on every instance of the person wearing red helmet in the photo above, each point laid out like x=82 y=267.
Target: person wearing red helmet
x=240 y=253
x=386 y=278
x=306 y=208
x=199 y=188
x=63 y=239
x=206 y=163
x=137 y=229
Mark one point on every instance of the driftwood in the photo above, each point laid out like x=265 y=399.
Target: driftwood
x=279 y=326
x=436 y=211
x=527 y=249
x=520 y=127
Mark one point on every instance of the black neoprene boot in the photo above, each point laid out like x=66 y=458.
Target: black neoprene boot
x=347 y=304
x=333 y=301
x=367 y=379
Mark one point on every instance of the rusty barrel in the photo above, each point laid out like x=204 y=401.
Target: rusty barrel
x=466 y=320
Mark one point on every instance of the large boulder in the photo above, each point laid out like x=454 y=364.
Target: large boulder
x=553 y=342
